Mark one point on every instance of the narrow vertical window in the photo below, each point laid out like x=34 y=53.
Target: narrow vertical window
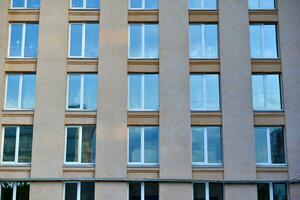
x=272 y=191
x=208 y=191
x=143 y=4
x=85 y=4
x=79 y=191
x=203 y=4
x=261 y=4
x=25 y=4
x=144 y=191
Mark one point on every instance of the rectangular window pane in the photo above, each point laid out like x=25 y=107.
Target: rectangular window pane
x=203 y=4
x=25 y=144
x=212 y=92
x=77 y=3
x=33 y=4
x=198 y=144
x=90 y=91
x=71 y=191
x=151 y=4
x=91 y=40
x=151 y=41
x=135 y=48
x=18 y=3
x=136 y=4
x=270 y=41
x=31 y=40
x=92 y=3
x=151 y=91
x=28 y=91
x=199 y=191
x=135 y=191
x=261 y=145
x=72 y=144
x=135 y=91
x=263 y=191
x=255 y=41
x=211 y=41
x=16 y=32
x=267 y=4
x=6 y=191
x=151 y=140
x=151 y=191
x=258 y=92
x=23 y=191
x=277 y=146
x=196 y=87
x=12 y=91
x=195 y=41
x=74 y=91
x=279 y=191
x=76 y=40
x=214 y=145
x=9 y=146
x=87 y=191
x=88 y=144
x=134 y=144
x=272 y=98
x=215 y=191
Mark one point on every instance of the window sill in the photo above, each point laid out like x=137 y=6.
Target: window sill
x=220 y=166
x=143 y=166
x=17 y=165
x=279 y=166
x=79 y=166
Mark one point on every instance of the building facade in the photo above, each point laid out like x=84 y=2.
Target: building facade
x=149 y=99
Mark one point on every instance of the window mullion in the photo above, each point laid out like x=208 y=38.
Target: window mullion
x=269 y=146
x=17 y=144
x=78 y=190
x=14 y=191
x=205 y=147
x=79 y=144
x=81 y=90
x=271 y=191
x=262 y=32
x=20 y=91
x=23 y=40
x=83 y=40
x=265 y=91
x=143 y=145
x=143 y=92
x=207 y=191
x=143 y=40
x=204 y=92
x=26 y=3
x=84 y=3
x=143 y=191
x=203 y=41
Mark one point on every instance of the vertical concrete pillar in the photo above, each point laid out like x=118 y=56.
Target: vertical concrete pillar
x=111 y=157
x=46 y=191
x=289 y=32
x=175 y=122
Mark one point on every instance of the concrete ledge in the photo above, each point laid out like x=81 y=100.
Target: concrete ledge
x=203 y=16
x=143 y=16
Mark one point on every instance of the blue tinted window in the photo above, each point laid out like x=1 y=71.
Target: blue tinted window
x=28 y=91
x=92 y=3
x=134 y=145
x=91 y=40
x=16 y=32
x=90 y=91
x=203 y=4
x=151 y=145
x=76 y=40
x=33 y=4
x=31 y=40
x=12 y=91
x=74 y=95
x=143 y=4
x=261 y=4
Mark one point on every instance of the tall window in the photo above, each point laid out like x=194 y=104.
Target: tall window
x=272 y=191
x=143 y=92
x=266 y=92
x=204 y=91
x=261 y=4
x=17 y=144
x=85 y=4
x=82 y=91
x=208 y=191
x=143 y=145
x=203 y=41
x=206 y=146
x=79 y=191
x=15 y=191
x=144 y=191
x=270 y=146
x=143 y=41
x=263 y=41
x=23 y=40
x=203 y=4
x=80 y=144
x=20 y=92
x=143 y=4
x=25 y=4
x=84 y=40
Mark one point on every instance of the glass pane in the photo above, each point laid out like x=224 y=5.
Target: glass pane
x=6 y=191
x=277 y=145
x=210 y=4
x=88 y=144
x=87 y=191
x=15 y=40
x=71 y=191
x=18 y=3
x=151 y=4
x=214 y=149
x=28 y=91
x=33 y=3
x=267 y=4
x=211 y=41
x=212 y=92
x=195 y=4
x=253 y=4
x=263 y=191
x=135 y=47
x=90 y=91
x=136 y=4
x=23 y=191
x=198 y=144
x=151 y=144
x=196 y=87
x=135 y=91
x=151 y=91
x=72 y=144
x=134 y=144
x=74 y=91
x=261 y=145
x=273 y=101
x=93 y=3
x=31 y=40
x=9 y=145
x=76 y=40
x=77 y=3
x=135 y=191
x=270 y=41
x=215 y=191
x=151 y=41
x=199 y=191
x=279 y=191
x=258 y=92
x=12 y=92
x=255 y=41
x=151 y=191
x=25 y=144
x=195 y=42
x=91 y=40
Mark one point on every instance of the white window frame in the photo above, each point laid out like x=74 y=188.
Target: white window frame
x=14 y=184
x=202 y=6
x=24 y=7
x=261 y=8
x=142 y=8
x=24 y=27
x=142 y=136
x=271 y=189
x=269 y=162
x=142 y=190
x=206 y=190
x=84 y=6
x=78 y=189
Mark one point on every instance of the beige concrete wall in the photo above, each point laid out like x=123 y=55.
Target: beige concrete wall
x=111 y=191
x=175 y=191
x=237 y=192
x=46 y=191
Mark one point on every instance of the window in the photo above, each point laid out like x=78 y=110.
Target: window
x=143 y=4
x=208 y=191
x=261 y=4
x=23 y=40
x=143 y=92
x=143 y=145
x=203 y=41
x=82 y=92
x=204 y=92
x=272 y=191
x=15 y=191
x=270 y=147
x=25 y=4
x=263 y=41
x=203 y=4
x=85 y=4
x=266 y=92
x=20 y=92
x=144 y=191
x=80 y=145
x=206 y=146
x=84 y=40
x=143 y=41
x=79 y=191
